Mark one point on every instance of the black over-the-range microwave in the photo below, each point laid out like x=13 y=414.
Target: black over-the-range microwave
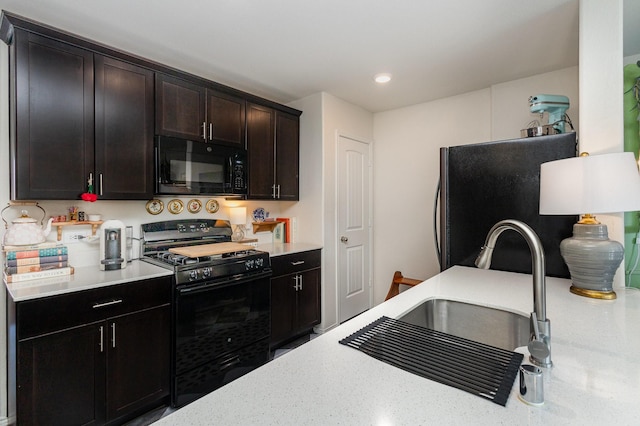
x=185 y=167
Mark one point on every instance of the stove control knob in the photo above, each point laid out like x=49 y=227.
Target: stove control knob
x=206 y=272
x=193 y=275
x=259 y=262
x=249 y=264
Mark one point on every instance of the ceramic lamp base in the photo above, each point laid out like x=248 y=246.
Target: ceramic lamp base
x=592 y=259
x=238 y=234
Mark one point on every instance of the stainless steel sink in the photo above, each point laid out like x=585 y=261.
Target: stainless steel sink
x=492 y=326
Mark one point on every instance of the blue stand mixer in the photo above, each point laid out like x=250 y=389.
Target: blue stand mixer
x=555 y=105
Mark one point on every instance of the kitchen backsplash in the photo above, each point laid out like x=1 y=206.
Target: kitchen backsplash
x=86 y=252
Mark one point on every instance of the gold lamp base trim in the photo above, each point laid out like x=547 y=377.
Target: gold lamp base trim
x=605 y=295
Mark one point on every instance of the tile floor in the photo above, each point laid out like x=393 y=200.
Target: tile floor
x=160 y=412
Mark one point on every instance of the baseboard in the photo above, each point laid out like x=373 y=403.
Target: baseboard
x=321 y=330
x=6 y=421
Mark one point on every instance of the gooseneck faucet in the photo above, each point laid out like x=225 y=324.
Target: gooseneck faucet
x=539 y=285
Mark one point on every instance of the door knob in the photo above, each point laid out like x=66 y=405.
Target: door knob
x=344 y=239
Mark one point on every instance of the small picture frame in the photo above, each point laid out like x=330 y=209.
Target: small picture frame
x=278 y=233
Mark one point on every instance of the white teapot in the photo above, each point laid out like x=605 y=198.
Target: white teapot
x=25 y=231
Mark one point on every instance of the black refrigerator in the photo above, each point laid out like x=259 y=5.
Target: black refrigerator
x=484 y=183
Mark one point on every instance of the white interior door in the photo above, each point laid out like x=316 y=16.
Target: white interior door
x=354 y=227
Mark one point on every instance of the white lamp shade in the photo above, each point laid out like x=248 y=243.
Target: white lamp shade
x=607 y=183
x=238 y=215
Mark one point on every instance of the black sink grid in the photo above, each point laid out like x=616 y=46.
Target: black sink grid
x=477 y=368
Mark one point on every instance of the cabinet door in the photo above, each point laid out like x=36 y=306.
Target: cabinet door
x=260 y=151
x=225 y=119
x=61 y=377
x=308 y=306
x=124 y=130
x=287 y=156
x=283 y=306
x=138 y=360
x=53 y=152
x=180 y=108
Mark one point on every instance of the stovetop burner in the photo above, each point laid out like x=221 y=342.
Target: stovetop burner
x=175 y=259
x=159 y=237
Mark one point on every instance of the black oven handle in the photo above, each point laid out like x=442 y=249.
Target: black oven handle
x=213 y=285
x=233 y=360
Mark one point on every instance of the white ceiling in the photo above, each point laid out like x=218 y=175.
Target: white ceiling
x=287 y=49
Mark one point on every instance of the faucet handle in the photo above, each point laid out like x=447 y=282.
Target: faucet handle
x=534 y=322
x=537 y=348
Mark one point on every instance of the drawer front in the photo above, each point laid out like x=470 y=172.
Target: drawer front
x=296 y=262
x=36 y=317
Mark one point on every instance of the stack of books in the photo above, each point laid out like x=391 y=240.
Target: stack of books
x=23 y=263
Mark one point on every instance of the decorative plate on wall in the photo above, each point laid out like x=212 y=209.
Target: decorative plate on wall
x=175 y=206
x=194 y=206
x=212 y=206
x=259 y=215
x=155 y=206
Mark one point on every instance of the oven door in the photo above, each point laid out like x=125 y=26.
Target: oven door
x=221 y=332
x=195 y=168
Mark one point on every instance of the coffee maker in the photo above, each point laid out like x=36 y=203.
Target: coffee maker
x=113 y=245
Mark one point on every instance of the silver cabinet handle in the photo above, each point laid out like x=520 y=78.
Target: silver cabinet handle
x=273 y=191
x=103 y=304
x=298 y=285
x=113 y=334
x=278 y=191
x=297 y=262
x=100 y=183
x=210 y=131
x=204 y=130
x=101 y=339
x=344 y=239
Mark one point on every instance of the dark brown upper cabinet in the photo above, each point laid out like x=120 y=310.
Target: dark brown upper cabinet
x=51 y=143
x=273 y=153
x=77 y=116
x=180 y=108
x=190 y=111
x=287 y=146
x=123 y=130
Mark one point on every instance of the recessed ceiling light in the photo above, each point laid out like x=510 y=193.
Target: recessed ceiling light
x=382 y=78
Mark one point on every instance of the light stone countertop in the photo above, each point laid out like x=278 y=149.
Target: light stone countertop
x=595 y=378
x=279 y=249
x=84 y=278
x=88 y=277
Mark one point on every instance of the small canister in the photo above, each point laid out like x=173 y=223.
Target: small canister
x=531 y=385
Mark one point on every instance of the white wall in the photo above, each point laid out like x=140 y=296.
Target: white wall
x=406 y=170
x=308 y=211
x=349 y=120
x=601 y=92
x=406 y=163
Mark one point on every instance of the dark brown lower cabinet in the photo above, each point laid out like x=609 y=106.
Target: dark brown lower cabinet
x=137 y=372
x=295 y=296
x=108 y=368
x=61 y=377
